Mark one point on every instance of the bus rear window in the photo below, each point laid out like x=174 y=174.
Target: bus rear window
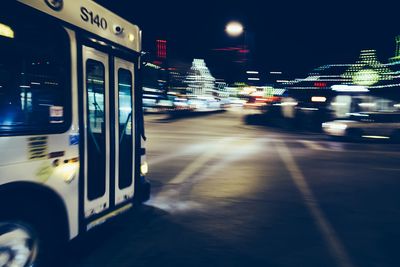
x=33 y=79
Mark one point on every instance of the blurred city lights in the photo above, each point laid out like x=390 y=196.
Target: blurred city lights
x=366 y=77
x=199 y=79
x=287 y=104
x=368 y=105
x=320 y=99
x=335 y=126
x=349 y=88
x=376 y=137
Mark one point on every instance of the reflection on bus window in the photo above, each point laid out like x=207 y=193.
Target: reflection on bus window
x=95 y=95
x=125 y=128
x=96 y=129
x=33 y=68
x=125 y=100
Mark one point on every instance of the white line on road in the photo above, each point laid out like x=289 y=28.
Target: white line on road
x=190 y=150
x=311 y=202
x=171 y=199
x=198 y=163
x=339 y=147
x=312 y=145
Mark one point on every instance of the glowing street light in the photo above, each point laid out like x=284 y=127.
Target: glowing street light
x=234 y=29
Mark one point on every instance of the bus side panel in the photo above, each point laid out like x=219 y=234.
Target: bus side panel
x=54 y=164
x=48 y=160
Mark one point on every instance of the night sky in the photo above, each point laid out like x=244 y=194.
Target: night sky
x=289 y=36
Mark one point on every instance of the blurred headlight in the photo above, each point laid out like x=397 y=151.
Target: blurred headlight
x=144 y=168
x=320 y=99
x=335 y=126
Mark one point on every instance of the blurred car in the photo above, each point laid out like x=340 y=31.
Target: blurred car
x=236 y=102
x=181 y=104
x=365 y=125
x=164 y=105
x=255 y=103
x=203 y=104
x=149 y=104
x=224 y=103
x=213 y=103
x=198 y=104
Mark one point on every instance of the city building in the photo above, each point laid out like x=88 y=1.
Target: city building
x=199 y=80
x=367 y=71
x=221 y=89
x=177 y=83
x=396 y=57
x=154 y=84
x=161 y=49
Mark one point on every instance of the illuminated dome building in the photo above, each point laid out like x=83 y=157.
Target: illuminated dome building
x=321 y=78
x=368 y=71
x=199 y=80
x=336 y=91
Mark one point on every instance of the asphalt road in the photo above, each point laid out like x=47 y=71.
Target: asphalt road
x=226 y=193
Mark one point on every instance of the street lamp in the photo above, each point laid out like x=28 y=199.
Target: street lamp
x=234 y=29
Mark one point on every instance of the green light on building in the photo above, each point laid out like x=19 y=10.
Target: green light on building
x=367 y=71
x=366 y=77
x=269 y=91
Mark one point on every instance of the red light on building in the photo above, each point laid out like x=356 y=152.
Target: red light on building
x=162 y=49
x=157 y=62
x=320 y=84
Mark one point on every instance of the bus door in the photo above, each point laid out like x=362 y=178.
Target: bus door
x=96 y=119
x=124 y=130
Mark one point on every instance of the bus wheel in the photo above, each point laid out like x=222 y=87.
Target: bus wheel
x=19 y=244
x=29 y=241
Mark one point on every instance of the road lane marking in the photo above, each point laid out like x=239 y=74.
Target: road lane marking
x=335 y=245
x=189 y=150
x=232 y=154
x=312 y=145
x=340 y=147
x=199 y=162
x=173 y=199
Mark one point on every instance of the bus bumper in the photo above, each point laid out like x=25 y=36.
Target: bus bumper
x=144 y=191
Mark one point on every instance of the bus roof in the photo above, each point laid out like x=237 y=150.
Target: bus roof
x=91 y=17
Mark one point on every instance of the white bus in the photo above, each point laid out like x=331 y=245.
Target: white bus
x=72 y=144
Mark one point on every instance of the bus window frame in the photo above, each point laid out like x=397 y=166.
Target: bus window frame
x=132 y=119
x=84 y=38
x=67 y=79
